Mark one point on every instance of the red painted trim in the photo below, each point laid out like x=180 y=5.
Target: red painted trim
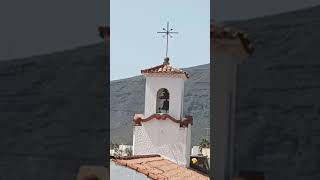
x=183 y=123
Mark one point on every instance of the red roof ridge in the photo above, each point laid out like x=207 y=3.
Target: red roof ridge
x=165 y=69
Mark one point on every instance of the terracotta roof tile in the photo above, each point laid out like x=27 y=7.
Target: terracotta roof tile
x=157 y=167
x=220 y=32
x=165 y=68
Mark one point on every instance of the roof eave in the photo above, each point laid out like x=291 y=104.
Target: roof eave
x=169 y=75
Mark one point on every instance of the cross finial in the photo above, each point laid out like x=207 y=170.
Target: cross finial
x=167 y=31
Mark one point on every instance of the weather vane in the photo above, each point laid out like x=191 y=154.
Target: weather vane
x=167 y=31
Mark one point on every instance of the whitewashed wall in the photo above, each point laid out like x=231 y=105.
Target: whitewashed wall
x=227 y=54
x=195 y=150
x=165 y=138
x=175 y=87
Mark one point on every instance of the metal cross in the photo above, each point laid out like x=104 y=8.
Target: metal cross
x=167 y=33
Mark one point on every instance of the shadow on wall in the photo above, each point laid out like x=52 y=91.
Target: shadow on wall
x=91 y=177
x=93 y=173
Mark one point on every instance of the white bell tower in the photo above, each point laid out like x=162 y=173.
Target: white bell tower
x=162 y=129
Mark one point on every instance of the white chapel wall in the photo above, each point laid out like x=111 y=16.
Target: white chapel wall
x=165 y=138
x=227 y=56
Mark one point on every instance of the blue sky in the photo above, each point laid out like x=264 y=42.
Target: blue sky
x=135 y=44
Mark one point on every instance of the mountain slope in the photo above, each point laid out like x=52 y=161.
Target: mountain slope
x=52 y=114
x=278 y=108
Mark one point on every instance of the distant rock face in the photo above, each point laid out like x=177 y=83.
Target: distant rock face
x=278 y=107
x=53 y=115
x=127 y=98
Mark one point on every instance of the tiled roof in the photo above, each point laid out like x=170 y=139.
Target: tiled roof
x=156 y=167
x=165 y=69
x=220 y=32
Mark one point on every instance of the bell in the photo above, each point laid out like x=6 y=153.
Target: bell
x=164 y=94
x=165 y=105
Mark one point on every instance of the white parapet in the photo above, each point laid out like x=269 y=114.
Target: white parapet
x=163 y=137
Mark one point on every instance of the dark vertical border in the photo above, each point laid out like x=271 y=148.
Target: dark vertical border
x=54 y=106
x=107 y=85
x=211 y=97
x=211 y=94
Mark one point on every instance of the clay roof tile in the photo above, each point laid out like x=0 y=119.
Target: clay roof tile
x=221 y=32
x=156 y=167
x=165 y=69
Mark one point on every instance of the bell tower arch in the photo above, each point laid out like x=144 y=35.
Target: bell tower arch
x=163 y=100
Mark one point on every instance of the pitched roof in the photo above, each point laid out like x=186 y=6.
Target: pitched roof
x=156 y=167
x=165 y=68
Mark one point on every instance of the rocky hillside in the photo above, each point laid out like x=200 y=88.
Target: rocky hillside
x=127 y=98
x=52 y=114
x=278 y=107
